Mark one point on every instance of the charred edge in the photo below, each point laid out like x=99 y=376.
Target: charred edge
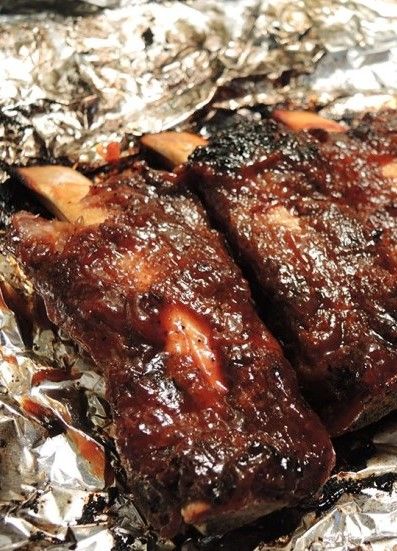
x=247 y=142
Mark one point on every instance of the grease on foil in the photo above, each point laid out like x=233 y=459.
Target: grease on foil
x=98 y=71
x=57 y=483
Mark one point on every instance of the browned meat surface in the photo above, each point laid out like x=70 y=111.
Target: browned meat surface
x=209 y=421
x=312 y=216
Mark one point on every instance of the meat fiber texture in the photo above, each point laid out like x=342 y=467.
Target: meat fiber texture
x=311 y=215
x=209 y=421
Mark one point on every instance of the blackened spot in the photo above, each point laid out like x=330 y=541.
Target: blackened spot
x=94 y=506
x=148 y=37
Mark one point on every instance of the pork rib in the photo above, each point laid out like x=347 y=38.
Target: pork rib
x=312 y=216
x=209 y=421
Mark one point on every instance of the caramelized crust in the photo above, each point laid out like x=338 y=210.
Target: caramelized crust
x=312 y=216
x=210 y=424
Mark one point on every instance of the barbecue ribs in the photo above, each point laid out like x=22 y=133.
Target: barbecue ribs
x=209 y=421
x=312 y=216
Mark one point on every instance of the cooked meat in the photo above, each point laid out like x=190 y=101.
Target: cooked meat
x=312 y=216
x=209 y=422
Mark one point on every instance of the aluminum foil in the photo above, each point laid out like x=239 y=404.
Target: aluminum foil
x=78 y=74
x=71 y=82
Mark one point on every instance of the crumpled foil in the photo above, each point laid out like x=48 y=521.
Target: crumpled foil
x=76 y=74
x=71 y=82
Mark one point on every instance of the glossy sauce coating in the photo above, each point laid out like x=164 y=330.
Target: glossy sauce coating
x=210 y=425
x=313 y=218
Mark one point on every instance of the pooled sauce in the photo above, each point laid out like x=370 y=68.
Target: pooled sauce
x=90 y=451
x=85 y=446
x=43 y=415
x=54 y=375
x=335 y=488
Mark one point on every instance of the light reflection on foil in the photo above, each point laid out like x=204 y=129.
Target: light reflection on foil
x=367 y=522
x=69 y=83
x=72 y=81
x=61 y=487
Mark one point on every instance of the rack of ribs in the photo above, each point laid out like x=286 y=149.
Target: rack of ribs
x=209 y=421
x=309 y=207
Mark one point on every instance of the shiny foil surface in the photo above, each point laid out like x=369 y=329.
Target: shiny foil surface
x=75 y=75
